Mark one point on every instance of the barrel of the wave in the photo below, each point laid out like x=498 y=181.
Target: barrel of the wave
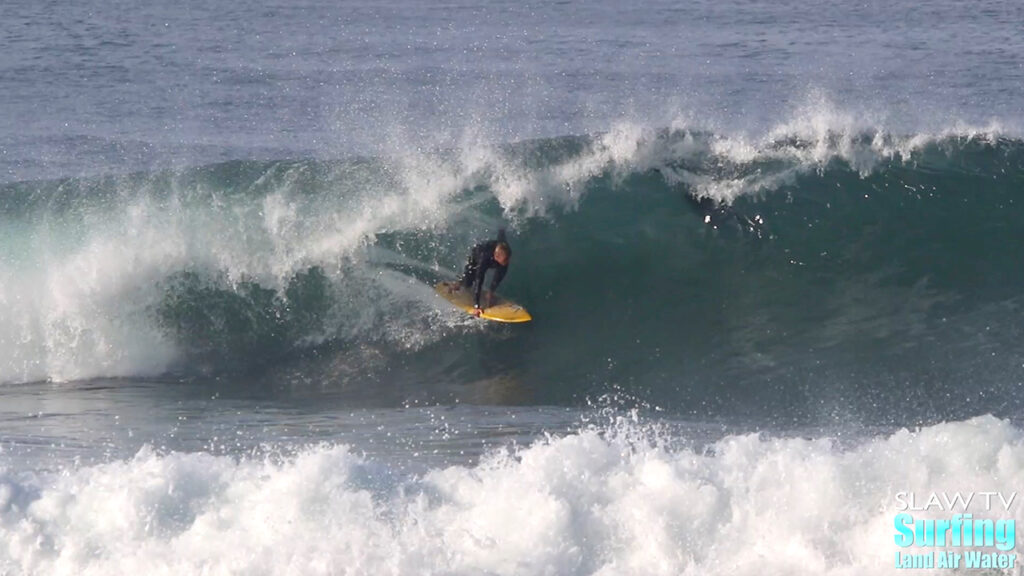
x=501 y=310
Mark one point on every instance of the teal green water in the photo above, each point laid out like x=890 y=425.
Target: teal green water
x=862 y=292
x=771 y=249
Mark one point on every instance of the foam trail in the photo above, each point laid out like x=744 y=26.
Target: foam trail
x=601 y=501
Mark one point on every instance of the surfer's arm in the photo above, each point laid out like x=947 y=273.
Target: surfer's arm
x=499 y=275
x=489 y=299
x=478 y=285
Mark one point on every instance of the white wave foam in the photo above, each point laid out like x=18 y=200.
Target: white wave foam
x=81 y=290
x=595 y=502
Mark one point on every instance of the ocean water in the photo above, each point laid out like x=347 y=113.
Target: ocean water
x=772 y=250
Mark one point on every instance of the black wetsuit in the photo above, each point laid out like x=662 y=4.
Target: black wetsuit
x=481 y=259
x=716 y=213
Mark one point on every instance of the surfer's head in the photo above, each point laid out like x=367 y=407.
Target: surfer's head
x=502 y=253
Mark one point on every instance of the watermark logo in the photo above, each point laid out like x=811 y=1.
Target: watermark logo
x=955 y=530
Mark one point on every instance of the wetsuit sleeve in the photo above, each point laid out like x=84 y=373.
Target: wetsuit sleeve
x=478 y=283
x=482 y=254
x=499 y=275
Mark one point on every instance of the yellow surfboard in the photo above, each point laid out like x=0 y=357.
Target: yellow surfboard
x=502 y=311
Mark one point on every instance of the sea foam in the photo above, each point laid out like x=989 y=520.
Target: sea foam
x=612 y=500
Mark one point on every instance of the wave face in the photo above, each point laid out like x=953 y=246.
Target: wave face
x=819 y=272
x=611 y=499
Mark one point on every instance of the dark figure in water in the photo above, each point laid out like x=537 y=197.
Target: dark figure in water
x=717 y=214
x=487 y=255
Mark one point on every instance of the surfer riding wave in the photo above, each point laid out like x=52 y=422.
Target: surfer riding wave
x=487 y=255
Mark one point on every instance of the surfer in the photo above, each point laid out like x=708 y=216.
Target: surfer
x=717 y=213
x=487 y=255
